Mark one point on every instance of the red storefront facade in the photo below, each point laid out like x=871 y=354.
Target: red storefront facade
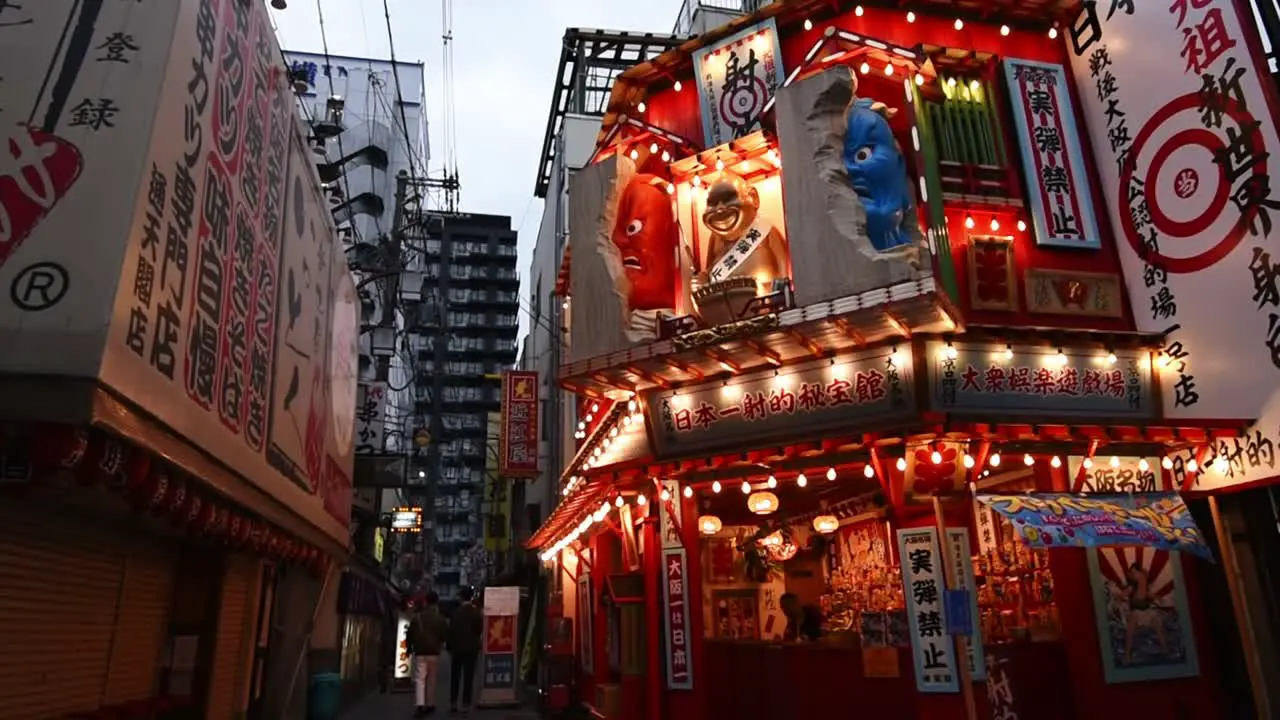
x=837 y=270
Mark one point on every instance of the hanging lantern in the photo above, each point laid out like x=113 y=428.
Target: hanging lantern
x=149 y=495
x=709 y=525
x=826 y=524
x=772 y=540
x=762 y=503
x=59 y=447
x=136 y=474
x=235 y=521
x=190 y=516
x=175 y=501
x=784 y=551
x=105 y=462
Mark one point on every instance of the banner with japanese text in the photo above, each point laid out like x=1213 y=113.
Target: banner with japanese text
x=519 y=441
x=933 y=652
x=676 y=613
x=1052 y=520
x=1180 y=107
x=738 y=76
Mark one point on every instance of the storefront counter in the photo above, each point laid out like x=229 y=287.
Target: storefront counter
x=773 y=680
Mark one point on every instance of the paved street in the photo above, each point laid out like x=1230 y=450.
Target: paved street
x=393 y=706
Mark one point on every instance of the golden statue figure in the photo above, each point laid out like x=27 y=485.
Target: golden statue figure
x=745 y=252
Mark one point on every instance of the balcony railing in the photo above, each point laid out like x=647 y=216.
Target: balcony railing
x=691 y=11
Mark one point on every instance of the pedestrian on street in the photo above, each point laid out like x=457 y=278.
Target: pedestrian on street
x=427 y=631
x=464 y=650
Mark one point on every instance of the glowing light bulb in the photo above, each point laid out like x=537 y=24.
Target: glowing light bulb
x=1060 y=358
x=1028 y=460
x=995 y=225
x=959 y=24
x=865 y=68
x=994 y=460
x=808 y=24
x=1022 y=226
x=619 y=501
x=671 y=189
x=677 y=86
x=1220 y=465
x=719 y=165
x=665 y=495
x=1008 y=352
x=974 y=86
x=1004 y=30
x=968 y=222
x=1110 y=358
x=641 y=107
x=1167 y=463
x=1087 y=463
x=1055 y=461
x=801 y=480
x=968 y=461
x=951 y=352
x=858 y=11
x=901 y=464
x=666 y=156
x=911 y=17
x=653 y=148
x=772 y=482
x=888 y=69
x=935 y=457
x=1115 y=461
x=831 y=473
x=919 y=79
x=746 y=488
x=631 y=406
x=589 y=418
x=715 y=486
x=1192 y=465
x=1053 y=33
x=868 y=471
x=633 y=154
x=1143 y=465
x=688 y=491
x=595 y=407
x=641 y=499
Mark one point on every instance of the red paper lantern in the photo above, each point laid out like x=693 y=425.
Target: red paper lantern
x=258 y=536
x=149 y=495
x=57 y=447
x=245 y=533
x=106 y=460
x=234 y=522
x=206 y=522
x=137 y=468
x=189 y=512
x=175 y=500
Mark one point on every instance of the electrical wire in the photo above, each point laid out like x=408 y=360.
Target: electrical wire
x=395 y=73
x=342 y=155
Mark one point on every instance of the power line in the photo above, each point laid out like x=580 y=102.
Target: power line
x=342 y=155
x=395 y=73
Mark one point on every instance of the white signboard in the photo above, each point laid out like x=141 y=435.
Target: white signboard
x=932 y=651
x=670 y=535
x=985 y=522
x=737 y=78
x=962 y=562
x=235 y=322
x=1052 y=161
x=371 y=415
x=1182 y=124
x=1114 y=474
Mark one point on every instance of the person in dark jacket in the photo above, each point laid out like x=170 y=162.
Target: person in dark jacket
x=427 y=631
x=464 y=649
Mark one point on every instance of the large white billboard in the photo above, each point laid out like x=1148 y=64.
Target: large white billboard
x=1181 y=114
x=199 y=268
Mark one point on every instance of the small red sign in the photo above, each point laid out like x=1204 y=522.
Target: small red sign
x=519 y=424
x=499 y=634
x=679 y=660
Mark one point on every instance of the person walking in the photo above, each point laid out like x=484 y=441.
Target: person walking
x=464 y=650
x=427 y=631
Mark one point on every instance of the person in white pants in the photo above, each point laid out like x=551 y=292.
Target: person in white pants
x=427 y=631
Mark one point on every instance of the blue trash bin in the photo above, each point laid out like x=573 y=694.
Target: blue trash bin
x=324 y=696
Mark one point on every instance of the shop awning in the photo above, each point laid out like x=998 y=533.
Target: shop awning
x=583 y=500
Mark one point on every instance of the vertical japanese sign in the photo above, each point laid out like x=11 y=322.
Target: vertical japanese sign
x=235 y=321
x=79 y=90
x=675 y=596
x=922 y=580
x=985 y=522
x=1187 y=146
x=1000 y=686
x=501 y=627
x=519 y=450
x=1052 y=160
x=671 y=517
x=371 y=415
x=962 y=563
x=586 y=614
x=737 y=78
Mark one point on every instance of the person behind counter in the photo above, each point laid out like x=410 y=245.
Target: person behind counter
x=803 y=622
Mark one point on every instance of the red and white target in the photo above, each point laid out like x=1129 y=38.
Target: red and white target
x=743 y=104
x=1188 y=195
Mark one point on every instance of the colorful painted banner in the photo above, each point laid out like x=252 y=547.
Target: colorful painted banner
x=1180 y=108
x=864 y=389
x=922 y=582
x=676 y=609
x=737 y=78
x=1051 y=520
x=1052 y=160
x=519 y=441
x=1023 y=380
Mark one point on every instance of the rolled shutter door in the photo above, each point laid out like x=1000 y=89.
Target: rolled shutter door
x=142 y=625
x=231 y=651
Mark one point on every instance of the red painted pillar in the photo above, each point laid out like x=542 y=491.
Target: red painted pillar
x=654 y=630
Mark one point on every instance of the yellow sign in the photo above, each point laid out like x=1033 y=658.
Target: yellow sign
x=379 y=539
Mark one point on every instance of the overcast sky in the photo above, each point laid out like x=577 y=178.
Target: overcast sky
x=505 y=58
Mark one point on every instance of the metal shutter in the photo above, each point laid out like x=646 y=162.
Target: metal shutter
x=231 y=650
x=142 y=625
x=59 y=592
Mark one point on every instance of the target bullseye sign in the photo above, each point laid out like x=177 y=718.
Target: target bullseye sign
x=1181 y=173
x=739 y=76
x=744 y=104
